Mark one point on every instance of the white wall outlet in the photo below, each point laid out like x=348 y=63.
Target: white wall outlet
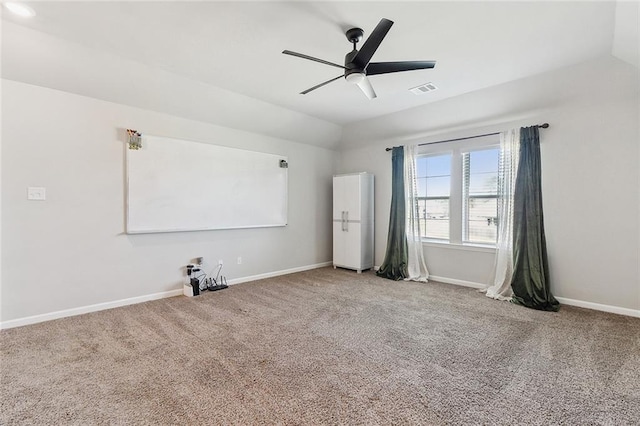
x=239 y=260
x=220 y=262
x=36 y=193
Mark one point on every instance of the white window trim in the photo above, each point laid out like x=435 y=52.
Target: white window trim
x=456 y=149
x=462 y=152
x=433 y=154
x=485 y=248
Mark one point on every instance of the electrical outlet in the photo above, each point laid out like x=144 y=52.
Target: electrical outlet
x=220 y=262
x=239 y=260
x=36 y=193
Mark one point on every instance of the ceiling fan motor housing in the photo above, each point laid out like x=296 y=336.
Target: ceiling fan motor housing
x=349 y=65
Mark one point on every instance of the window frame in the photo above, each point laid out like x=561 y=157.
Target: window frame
x=419 y=198
x=466 y=197
x=456 y=202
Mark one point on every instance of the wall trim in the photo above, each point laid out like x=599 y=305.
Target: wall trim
x=278 y=273
x=563 y=300
x=86 y=309
x=172 y=293
x=19 y=322
x=600 y=307
x=456 y=282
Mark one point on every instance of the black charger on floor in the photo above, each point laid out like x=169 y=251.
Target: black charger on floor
x=195 y=284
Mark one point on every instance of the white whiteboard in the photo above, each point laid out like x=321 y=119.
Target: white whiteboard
x=179 y=185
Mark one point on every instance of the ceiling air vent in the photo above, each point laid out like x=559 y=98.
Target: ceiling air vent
x=423 y=88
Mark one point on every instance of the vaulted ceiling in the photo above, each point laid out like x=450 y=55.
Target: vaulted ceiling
x=237 y=46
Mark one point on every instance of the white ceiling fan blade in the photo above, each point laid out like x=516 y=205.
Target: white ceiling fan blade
x=367 y=88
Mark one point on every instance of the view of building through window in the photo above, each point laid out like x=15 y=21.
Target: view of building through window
x=480 y=195
x=479 y=186
x=434 y=181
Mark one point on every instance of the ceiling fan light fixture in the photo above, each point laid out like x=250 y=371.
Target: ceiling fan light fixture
x=355 y=77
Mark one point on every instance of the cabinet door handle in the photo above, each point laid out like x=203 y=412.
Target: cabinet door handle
x=346 y=221
x=342 y=222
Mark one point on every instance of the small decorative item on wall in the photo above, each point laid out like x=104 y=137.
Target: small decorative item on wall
x=135 y=139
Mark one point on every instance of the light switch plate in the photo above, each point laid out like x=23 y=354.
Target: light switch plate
x=36 y=193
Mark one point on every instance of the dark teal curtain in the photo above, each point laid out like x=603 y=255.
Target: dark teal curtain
x=394 y=266
x=530 y=282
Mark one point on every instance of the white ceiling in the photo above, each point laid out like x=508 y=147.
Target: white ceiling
x=237 y=45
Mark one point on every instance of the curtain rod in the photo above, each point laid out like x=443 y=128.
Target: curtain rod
x=542 y=126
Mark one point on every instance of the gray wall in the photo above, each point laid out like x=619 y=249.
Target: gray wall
x=590 y=162
x=70 y=250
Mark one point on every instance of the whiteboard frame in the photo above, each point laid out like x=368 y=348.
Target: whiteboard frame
x=130 y=231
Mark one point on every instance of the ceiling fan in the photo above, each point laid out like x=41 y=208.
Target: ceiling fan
x=357 y=65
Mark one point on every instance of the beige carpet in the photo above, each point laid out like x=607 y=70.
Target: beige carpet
x=325 y=347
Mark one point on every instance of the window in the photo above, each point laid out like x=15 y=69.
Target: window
x=458 y=191
x=480 y=196
x=433 y=174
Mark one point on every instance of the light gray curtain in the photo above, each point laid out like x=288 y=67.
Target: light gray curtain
x=503 y=267
x=416 y=266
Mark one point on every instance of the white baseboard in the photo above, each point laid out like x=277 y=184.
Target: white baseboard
x=172 y=293
x=450 y=280
x=456 y=282
x=133 y=300
x=600 y=307
x=278 y=273
x=86 y=309
x=563 y=300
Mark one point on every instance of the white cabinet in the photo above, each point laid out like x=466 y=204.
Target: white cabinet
x=353 y=221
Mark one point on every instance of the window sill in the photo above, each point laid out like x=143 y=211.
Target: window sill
x=466 y=247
